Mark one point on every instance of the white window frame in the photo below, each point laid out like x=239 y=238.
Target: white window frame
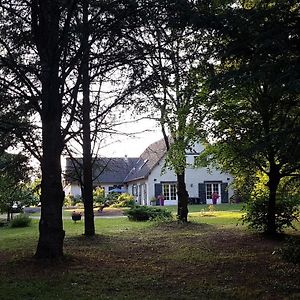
x=210 y=188
x=169 y=190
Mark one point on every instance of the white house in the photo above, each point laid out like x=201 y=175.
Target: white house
x=108 y=173
x=143 y=178
x=146 y=180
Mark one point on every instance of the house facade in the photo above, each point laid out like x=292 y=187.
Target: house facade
x=147 y=181
x=143 y=178
x=108 y=173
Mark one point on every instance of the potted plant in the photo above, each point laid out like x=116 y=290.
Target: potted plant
x=76 y=216
x=153 y=201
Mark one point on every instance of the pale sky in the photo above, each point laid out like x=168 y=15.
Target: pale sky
x=134 y=145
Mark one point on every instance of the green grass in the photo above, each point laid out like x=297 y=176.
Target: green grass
x=205 y=207
x=209 y=258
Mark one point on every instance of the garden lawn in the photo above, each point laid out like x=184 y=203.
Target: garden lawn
x=209 y=258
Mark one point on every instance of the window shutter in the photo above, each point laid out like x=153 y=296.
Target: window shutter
x=202 y=193
x=157 y=189
x=224 y=192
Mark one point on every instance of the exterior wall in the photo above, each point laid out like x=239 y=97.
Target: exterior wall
x=74 y=189
x=139 y=189
x=194 y=176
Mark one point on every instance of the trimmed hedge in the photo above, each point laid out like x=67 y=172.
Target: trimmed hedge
x=145 y=213
x=20 y=221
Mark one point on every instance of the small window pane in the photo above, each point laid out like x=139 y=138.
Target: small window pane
x=173 y=191
x=216 y=188
x=166 y=191
x=208 y=191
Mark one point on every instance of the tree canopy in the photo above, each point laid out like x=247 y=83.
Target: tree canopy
x=255 y=88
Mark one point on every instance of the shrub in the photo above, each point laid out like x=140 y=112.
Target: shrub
x=21 y=220
x=112 y=198
x=286 y=211
x=69 y=200
x=291 y=250
x=99 y=196
x=124 y=200
x=144 y=213
x=3 y=223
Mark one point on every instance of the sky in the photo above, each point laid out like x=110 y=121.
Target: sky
x=135 y=144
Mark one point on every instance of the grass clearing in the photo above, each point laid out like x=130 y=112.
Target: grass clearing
x=209 y=258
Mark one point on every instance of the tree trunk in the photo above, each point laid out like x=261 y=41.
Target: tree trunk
x=274 y=179
x=183 y=198
x=45 y=26
x=51 y=238
x=89 y=226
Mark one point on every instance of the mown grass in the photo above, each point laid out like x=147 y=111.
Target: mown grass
x=209 y=258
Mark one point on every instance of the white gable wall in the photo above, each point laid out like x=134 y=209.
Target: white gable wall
x=193 y=176
x=72 y=190
x=140 y=190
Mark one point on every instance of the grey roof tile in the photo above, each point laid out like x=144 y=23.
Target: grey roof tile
x=147 y=161
x=105 y=169
x=119 y=170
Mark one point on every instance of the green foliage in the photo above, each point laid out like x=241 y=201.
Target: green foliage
x=3 y=223
x=286 y=212
x=19 y=195
x=224 y=158
x=14 y=173
x=124 y=200
x=144 y=213
x=111 y=198
x=71 y=200
x=291 y=250
x=68 y=200
x=99 y=196
x=35 y=187
x=21 y=220
x=255 y=94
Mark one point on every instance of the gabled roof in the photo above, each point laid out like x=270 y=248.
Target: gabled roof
x=119 y=170
x=147 y=161
x=113 y=169
x=105 y=169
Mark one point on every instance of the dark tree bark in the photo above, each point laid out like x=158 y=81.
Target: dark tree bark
x=45 y=28
x=274 y=179
x=183 y=198
x=89 y=226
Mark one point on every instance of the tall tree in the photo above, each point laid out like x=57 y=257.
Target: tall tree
x=102 y=59
x=50 y=39
x=37 y=62
x=256 y=85
x=171 y=58
x=86 y=128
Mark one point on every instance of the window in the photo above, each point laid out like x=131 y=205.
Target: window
x=212 y=188
x=134 y=190
x=169 y=191
x=140 y=193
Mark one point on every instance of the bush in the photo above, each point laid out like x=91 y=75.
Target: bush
x=3 y=223
x=69 y=200
x=124 y=200
x=286 y=211
x=99 y=196
x=291 y=251
x=20 y=221
x=144 y=213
